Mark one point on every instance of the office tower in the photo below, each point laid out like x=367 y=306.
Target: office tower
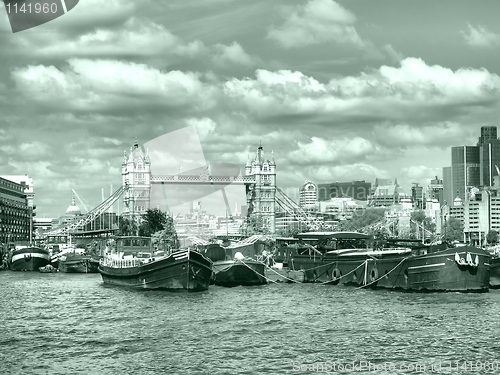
x=465 y=169
x=489 y=154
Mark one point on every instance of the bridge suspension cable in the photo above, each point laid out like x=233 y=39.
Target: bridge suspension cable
x=297 y=212
x=90 y=216
x=385 y=224
x=80 y=200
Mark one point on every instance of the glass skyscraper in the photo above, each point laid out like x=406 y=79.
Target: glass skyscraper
x=465 y=169
x=489 y=154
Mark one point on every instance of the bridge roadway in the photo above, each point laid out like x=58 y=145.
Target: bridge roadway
x=203 y=179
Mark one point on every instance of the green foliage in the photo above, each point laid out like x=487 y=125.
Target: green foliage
x=254 y=225
x=153 y=220
x=166 y=238
x=453 y=230
x=361 y=219
x=127 y=226
x=290 y=231
x=419 y=217
x=492 y=237
x=269 y=244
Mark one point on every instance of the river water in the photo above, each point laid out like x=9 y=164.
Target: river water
x=73 y=324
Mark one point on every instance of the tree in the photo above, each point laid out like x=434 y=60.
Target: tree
x=453 y=230
x=361 y=219
x=166 y=238
x=289 y=231
x=492 y=237
x=153 y=220
x=419 y=217
x=127 y=226
x=254 y=225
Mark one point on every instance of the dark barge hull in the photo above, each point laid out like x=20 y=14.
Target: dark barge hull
x=79 y=264
x=29 y=259
x=182 y=270
x=232 y=273
x=495 y=273
x=437 y=271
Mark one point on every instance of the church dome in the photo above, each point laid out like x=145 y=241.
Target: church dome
x=73 y=209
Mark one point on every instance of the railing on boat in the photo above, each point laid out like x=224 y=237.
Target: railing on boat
x=121 y=263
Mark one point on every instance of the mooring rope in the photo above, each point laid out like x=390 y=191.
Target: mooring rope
x=279 y=274
x=388 y=273
x=348 y=273
x=322 y=265
x=268 y=279
x=365 y=263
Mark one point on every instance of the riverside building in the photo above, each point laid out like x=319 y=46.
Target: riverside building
x=16 y=214
x=308 y=196
x=472 y=166
x=386 y=193
x=359 y=190
x=482 y=213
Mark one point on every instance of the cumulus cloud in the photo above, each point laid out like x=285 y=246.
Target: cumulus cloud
x=135 y=38
x=405 y=135
x=358 y=121
x=480 y=37
x=231 y=54
x=192 y=49
x=341 y=151
x=204 y=126
x=318 y=21
x=103 y=84
x=43 y=169
x=420 y=173
x=28 y=151
x=94 y=166
x=102 y=147
x=384 y=93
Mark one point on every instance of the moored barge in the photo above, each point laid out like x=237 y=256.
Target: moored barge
x=236 y=271
x=78 y=263
x=146 y=269
x=495 y=272
x=28 y=258
x=353 y=258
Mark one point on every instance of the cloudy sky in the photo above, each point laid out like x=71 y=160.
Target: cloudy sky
x=339 y=90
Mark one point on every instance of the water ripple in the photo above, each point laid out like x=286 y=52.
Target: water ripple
x=62 y=323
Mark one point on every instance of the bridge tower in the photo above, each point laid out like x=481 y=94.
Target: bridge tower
x=136 y=173
x=261 y=195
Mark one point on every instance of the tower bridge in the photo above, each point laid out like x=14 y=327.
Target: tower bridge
x=263 y=198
